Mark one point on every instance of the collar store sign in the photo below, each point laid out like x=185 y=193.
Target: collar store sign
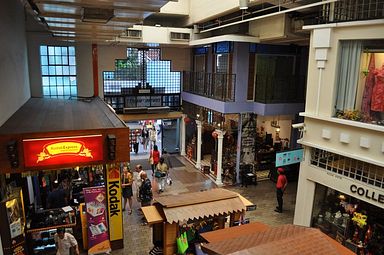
x=62 y=150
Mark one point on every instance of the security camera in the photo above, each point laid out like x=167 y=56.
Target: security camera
x=298 y=125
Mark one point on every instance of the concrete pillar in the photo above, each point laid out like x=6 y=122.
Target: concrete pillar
x=182 y=134
x=198 y=157
x=220 y=136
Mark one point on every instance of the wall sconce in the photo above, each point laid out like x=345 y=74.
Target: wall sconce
x=243 y=4
x=277 y=129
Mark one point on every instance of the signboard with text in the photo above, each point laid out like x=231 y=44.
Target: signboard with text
x=285 y=158
x=62 y=150
x=115 y=215
x=95 y=202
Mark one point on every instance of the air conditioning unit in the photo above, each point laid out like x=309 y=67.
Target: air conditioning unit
x=133 y=33
x=175 y=36
x=97 y=15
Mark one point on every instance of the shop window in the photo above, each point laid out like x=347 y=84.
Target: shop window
x=360 y=81
x=58 y=69
x=276 y=79
x=356 y=224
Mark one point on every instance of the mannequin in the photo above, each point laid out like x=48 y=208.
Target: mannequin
x=377 y=103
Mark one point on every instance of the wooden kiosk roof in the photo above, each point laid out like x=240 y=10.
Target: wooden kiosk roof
x=285 y=239
x=51 y=115
x=43 y=118
x=195 y=205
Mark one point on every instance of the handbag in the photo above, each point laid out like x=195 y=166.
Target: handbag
x=169 y=181
x=182 y=243
x=159 y=174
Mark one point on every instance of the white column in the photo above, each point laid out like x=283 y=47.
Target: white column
x=198 y=157
x=220 y=136
x=182 y=134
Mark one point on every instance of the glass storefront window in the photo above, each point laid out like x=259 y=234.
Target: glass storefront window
x=356 y=224
x=360 y=81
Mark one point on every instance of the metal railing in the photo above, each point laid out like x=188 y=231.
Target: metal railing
x=219 y=86
x=121 y=102
x=351 y=10
x=348 y=167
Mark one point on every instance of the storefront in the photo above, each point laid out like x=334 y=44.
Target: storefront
x=186 y=216
x=67 y=167
x=354 y=223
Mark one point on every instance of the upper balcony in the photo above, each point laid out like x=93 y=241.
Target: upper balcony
x=218 y=86
x=350 y=10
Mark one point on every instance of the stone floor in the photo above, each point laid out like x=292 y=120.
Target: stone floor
x=137 y=238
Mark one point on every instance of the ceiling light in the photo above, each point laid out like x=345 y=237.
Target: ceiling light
x=243 y=4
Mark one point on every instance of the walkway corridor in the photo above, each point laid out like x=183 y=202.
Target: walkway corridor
x=137 y=238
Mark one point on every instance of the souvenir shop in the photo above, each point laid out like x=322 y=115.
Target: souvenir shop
x=261 y=138
x=211 y=121
x=177 y=221
x=356 y=224
x=68 y=179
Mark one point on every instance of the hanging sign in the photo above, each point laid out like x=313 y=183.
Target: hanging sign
x=115 y=216
x=289 y=157
x=62 y=150
x=95 y=203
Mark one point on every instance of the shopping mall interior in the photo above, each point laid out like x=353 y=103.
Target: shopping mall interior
x=192 y=127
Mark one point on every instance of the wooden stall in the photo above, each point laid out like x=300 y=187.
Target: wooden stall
x=47 y=136
x=169 y=214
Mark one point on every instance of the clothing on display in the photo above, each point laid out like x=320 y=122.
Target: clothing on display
x=377 y=103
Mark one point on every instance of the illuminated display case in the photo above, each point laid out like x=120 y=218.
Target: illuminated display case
x=12 y=234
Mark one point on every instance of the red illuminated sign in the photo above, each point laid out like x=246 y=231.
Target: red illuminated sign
x=62 y=150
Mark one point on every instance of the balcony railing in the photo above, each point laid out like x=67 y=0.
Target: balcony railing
x=219 y=86
x=351 y=10
x=271 y=89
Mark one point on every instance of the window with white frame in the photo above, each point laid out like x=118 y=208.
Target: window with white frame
x=360 y=81
x=58 y=70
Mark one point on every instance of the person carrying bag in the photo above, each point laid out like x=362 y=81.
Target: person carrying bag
x=161 y=174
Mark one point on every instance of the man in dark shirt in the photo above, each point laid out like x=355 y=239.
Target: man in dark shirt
x=57 y=197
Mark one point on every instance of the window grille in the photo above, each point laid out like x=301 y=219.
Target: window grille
x=58 y=70
x=348 y=167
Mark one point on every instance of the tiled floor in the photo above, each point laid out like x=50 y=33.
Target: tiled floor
x=137 y=238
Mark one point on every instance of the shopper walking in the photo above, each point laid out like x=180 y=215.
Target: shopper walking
x=138 y=181
x=65 y=242
x=145 y=193
x=126 y=184
x=281 y=185
x=161 y=174
x=154 y=157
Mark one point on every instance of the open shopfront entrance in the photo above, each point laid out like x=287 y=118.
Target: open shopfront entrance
x=237 y=148
x=54 y=178
x=354 y=223
x=144 y=134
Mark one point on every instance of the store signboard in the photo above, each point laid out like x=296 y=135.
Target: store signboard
x=63 y=150
x=289 y=157
x=115 y=216
x=95 y=203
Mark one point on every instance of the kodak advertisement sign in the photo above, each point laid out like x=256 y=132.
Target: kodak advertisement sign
x=115 y=215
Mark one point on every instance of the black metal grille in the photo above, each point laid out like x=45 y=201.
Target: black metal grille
x=348 y=167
